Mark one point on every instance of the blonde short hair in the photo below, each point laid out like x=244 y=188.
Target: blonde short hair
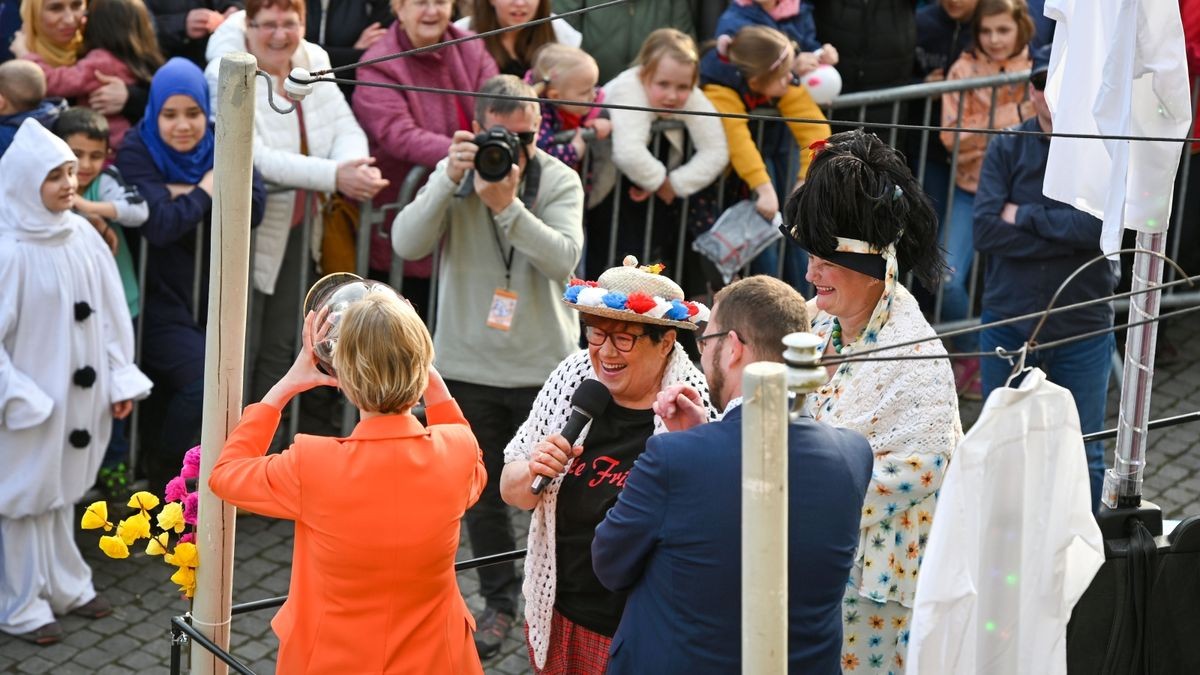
x=668 y=42
x=383 y=354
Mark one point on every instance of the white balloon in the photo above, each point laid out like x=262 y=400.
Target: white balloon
x=824 y=83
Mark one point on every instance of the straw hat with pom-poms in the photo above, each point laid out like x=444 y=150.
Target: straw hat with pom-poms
x=637 y=294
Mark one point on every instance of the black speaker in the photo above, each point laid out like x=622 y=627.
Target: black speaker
x=1141 y=613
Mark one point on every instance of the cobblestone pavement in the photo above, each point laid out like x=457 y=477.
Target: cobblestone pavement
x=136 y=638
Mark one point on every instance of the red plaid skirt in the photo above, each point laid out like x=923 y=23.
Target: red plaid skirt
x=574 y=650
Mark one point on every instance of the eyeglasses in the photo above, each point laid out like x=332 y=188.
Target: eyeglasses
x=623 y=342
x=271 y=27
x=1038 y=80
x=700 y=340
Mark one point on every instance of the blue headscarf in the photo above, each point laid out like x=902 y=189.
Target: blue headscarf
x=177 y=76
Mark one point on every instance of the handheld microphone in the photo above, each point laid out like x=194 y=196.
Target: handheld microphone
x=588 y=401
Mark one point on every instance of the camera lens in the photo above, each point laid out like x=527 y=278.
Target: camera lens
x=493 y=161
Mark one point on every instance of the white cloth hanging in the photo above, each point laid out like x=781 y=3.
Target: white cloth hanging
x=1117 y=67
x=1014 y=544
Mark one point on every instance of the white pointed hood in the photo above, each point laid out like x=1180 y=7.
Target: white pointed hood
x=34 y=153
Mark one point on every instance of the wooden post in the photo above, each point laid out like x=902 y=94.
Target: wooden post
x=224 y=348
x=764 y=519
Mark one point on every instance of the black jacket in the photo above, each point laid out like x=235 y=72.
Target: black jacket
x=875 y=39
x=170 y=23
x=336 y=25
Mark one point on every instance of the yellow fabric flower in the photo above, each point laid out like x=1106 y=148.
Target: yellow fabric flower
x=114 y=547
x=157 y=544
x=184 y=555
x=145 y=501
x=96 y=516
x=186 y=578
x=171 y=517
x=133 y=528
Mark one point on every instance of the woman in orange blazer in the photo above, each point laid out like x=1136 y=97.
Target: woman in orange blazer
x=377 y=514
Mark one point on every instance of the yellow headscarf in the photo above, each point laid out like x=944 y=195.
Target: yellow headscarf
x=31 y=20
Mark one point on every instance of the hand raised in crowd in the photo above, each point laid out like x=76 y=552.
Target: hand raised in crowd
x=602 y=127
x=550 y=456
x=206 y=182
x=666 y=191
x=102 y=228
x=19 y=47
x=637 y=194
x=767 y=202
x=497 y=196
x=359 y=180
x=1009 y=213
x=303 y=375
x=110 y=98
x=461 y=156
x=680 y=407
x=201 y=22
x=829 y=55
x=805 y=62
x=369 y=36
x=579 y=143
x=121 y=410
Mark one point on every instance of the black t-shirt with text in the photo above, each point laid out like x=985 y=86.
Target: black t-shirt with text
x=589 y=489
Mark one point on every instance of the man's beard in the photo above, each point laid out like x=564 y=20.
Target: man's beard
x=716 y=386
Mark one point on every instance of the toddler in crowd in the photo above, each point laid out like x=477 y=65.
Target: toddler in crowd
x=118 y=44
x=793 y=18
x=1001 y=31
x=22 y=97
x=66 y=369
x=748 y=70
x=566 y=73
x=663 y=76
x=111 y=205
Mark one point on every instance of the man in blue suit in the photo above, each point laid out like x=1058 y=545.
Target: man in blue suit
x=673 y=539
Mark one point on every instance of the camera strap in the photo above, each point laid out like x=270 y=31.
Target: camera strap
x=506 y=259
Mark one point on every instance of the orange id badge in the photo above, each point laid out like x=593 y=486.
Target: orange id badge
x=504 y=305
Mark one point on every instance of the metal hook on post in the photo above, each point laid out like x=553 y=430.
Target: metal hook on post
x=298 y=84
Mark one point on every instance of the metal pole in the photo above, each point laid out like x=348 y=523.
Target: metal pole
x=224 y=351
x=765 y=519
x=1123 y=482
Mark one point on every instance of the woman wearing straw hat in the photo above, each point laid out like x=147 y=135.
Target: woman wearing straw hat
x=859 y=215
x=631 y=316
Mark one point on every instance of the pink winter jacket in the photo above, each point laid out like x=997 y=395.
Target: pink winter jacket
x=407 y=129
x=1012 y=106
x=76 y=81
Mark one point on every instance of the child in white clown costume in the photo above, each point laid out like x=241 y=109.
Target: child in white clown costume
x=66 y=368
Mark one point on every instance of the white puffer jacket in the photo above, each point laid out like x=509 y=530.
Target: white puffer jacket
x=334 y=136
x=631 y=136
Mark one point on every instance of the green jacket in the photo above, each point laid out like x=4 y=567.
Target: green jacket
x=614 y=35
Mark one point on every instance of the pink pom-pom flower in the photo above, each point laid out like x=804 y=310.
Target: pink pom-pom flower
x=191 y=463
x=191 y=504
x=176 y=489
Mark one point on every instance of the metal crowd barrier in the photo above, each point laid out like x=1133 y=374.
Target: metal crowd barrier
x=376 y=220
x=182 y=630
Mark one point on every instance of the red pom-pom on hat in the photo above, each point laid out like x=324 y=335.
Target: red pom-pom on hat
x=692 y=309
x=576 y=282
x=639 y=302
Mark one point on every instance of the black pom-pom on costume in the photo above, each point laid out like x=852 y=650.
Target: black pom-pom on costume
x=80 y=438
x=84 y=377
x=82 y=311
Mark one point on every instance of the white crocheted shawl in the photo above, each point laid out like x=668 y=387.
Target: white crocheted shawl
x=908 y=410
x=548 y=416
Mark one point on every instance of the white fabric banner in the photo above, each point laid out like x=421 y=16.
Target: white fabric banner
x=1117 y=68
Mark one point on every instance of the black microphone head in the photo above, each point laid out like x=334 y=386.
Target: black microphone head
x=591 y=397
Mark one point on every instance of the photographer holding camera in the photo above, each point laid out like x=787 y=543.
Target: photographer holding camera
x=509 y=217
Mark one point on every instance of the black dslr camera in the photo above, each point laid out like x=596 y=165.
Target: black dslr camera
x=498 y=148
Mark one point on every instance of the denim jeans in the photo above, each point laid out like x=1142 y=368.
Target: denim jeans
x=1082 y=367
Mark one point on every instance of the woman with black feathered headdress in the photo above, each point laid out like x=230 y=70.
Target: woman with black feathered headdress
x=860 y=215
